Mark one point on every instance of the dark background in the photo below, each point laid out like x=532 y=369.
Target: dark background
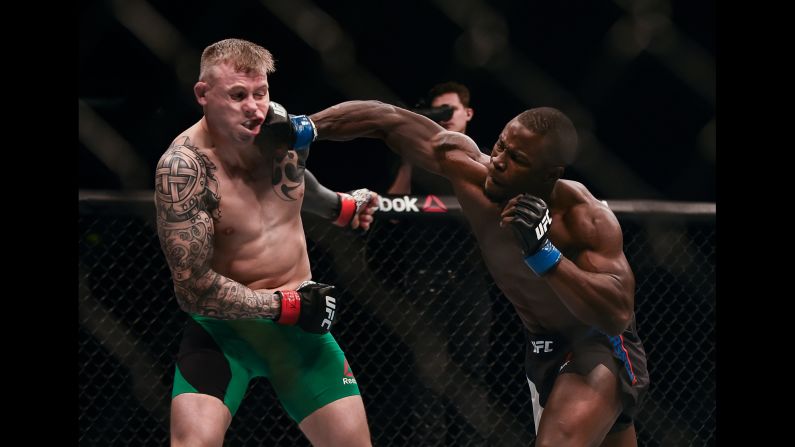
x=637 y=78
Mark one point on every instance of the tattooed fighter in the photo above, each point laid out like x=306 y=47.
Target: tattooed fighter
x=229 y=192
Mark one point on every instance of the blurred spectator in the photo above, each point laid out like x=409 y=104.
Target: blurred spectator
x=455 y=96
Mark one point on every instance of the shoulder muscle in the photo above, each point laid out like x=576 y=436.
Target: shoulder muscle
x=185 y=182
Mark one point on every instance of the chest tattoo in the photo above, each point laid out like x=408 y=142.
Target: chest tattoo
x=288 y=174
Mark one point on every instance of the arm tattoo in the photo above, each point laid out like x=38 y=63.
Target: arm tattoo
x=186 y=194
x=185 y=183
x=288 y=174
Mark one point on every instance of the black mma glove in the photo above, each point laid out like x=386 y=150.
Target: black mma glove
x=297 y=131
x=309 y=306
x=528 y=217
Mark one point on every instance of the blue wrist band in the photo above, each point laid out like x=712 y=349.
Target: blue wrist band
x=305 y=132
x=544 y=259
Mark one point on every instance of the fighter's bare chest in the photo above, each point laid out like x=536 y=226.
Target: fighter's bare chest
x=256 y=197
x=250 y=202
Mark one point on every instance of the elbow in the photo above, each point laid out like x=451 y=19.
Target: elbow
x=374 y=107
x=384 y=109
x=386 y=113
x=184 y=304
x=186 y=301
x=619 y=318
x=381 y=106
x=620 y=310
x=618 y=323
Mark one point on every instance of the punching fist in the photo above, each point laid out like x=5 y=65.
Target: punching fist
x=310 y=307
x=356 y=208
x=528 y=217
x=294 y=131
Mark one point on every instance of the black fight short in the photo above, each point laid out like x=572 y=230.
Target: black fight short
x=549 y=355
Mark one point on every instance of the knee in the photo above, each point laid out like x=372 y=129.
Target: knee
x=198 y=420
x=186 y=438
x=562 y=436
x=197 y=435
x=354 y=433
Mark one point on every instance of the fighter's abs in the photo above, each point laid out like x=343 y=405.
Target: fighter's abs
x=259 y=236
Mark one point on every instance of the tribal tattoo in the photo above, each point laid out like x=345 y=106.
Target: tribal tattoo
x=186 y=182
x=288 y=174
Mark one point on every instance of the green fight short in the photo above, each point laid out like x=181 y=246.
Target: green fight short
x=220 y=357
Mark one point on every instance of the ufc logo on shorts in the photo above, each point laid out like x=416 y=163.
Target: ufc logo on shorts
x=331 y=304
x=539 y=344
x=541 y=229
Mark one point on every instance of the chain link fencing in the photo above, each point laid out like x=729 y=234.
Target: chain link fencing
x=437 y=350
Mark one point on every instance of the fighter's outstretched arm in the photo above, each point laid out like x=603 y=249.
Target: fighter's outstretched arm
x=413 y=136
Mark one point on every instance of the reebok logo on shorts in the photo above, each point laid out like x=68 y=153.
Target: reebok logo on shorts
x=348 y=378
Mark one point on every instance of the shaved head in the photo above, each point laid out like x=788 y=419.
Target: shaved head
x=560 y=136
x=244 y=56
